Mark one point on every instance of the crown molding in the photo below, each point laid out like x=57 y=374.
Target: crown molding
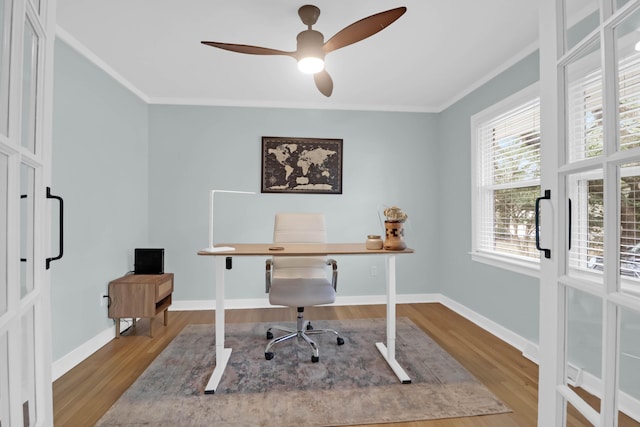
x=83 y=50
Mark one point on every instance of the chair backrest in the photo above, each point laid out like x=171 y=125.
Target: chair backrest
x=299 y=228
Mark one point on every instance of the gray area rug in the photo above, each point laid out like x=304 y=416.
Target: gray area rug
x=352 y=384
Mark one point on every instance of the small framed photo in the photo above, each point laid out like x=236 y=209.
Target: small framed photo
x=301 y=165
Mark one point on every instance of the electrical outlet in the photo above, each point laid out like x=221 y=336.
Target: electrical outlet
x=374 y=270
x=103 y=300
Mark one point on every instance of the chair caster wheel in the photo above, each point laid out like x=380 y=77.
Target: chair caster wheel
x=268 y=355
x=315 y=359
x=269 y=335
x=340 y=341
x=309 y=327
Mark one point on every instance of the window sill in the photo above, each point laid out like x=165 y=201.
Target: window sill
x=529 y=268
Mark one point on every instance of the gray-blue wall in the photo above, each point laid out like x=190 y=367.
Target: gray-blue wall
x=388 y=158
x=138 y=175
x=510 y=299
x=100 y=168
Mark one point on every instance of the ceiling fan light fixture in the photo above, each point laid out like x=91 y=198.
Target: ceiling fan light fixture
x=310 y=54
x=311 y=65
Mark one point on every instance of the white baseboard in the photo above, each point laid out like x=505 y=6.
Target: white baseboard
x=73 y=358
x=577 y=376
x=195 y=305
x=488 y=325
x=588 y=382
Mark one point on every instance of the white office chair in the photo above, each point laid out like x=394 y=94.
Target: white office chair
x=300 y=281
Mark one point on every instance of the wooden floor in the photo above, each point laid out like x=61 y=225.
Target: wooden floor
x=85 y=393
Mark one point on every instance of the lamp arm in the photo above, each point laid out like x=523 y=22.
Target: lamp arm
x=211 y=197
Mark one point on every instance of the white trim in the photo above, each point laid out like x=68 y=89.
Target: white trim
x=526 y=267
x=510 y=102
x=488 y=325
x=92 y=57
x=195 y=305
x=88 y=54
x=513 y=102
x=529 y=350
x=250 y=103
x=532 y=48
x=83 y=50
x=76 y=356
x=80 y=353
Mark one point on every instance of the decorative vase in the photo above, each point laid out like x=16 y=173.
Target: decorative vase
x=394 y=239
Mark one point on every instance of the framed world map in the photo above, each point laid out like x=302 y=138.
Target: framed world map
x=301 y=165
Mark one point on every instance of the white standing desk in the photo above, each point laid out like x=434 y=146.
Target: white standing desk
x=388 y=351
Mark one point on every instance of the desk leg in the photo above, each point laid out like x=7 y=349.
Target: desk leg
x=222 y=354
x=389 y=351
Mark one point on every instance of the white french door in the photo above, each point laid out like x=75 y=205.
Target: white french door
x=26 y=70
x=590 y=283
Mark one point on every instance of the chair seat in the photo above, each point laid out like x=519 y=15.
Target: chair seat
x=301 y=292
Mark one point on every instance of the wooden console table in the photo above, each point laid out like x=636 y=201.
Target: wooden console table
x=140 y=295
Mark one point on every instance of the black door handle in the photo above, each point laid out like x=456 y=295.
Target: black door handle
x=547 y=196
x=570 y=224
x=23 y=196
x=59 y=199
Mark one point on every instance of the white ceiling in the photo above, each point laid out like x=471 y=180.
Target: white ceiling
x=431 y=57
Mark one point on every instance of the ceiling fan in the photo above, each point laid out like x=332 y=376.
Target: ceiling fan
x=311 y=48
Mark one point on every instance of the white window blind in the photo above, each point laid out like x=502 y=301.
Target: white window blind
x=629 y=101
x=508 y=182
x=586 y=140
x=585 y=116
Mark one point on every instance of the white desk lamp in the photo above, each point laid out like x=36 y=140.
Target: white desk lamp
x=211 y=248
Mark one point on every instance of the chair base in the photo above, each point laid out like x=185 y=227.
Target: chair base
x=303 y=330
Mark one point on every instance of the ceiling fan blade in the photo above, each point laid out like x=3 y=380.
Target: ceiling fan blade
x=252 y=50
x=363 y=28
x=324 y=83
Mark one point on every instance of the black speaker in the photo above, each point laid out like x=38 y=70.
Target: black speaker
x=148 y=261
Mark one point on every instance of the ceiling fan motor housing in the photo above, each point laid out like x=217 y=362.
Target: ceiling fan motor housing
x=310 y=44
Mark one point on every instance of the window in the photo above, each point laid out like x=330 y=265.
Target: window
x=506 y=182
x=586 y=142
x=506 y=172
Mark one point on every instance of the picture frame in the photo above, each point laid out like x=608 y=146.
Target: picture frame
x=301 y=165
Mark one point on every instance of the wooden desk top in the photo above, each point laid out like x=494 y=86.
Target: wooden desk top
x=300 y=249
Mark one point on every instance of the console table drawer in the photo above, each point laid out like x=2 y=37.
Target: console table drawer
x=140 y=295
x=164 y=289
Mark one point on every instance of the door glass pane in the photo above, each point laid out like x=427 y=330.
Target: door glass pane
x=29 y=89
x=5 y=39
x=587 y=216
x=28 y=400
x=630 y=228
x=619 y=3
x=4 y=232
x=36 y=4
x=584 y=334
x=630 y=354
x=584 y=105
x=27 y=222
x=628 y=60
x=4 y=380
x=582 y=17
